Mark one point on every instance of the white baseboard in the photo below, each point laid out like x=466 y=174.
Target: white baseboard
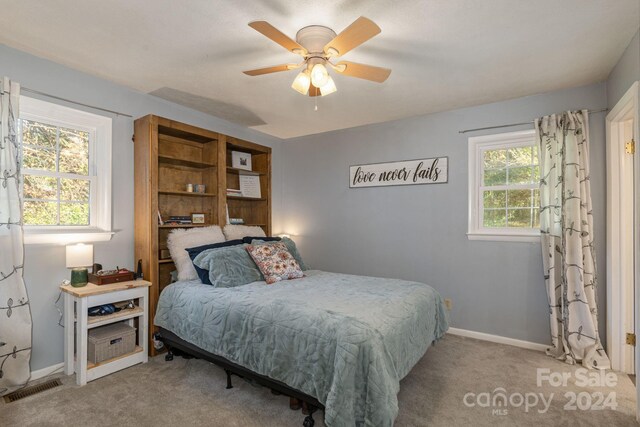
x=41 y=373
x=498 y=339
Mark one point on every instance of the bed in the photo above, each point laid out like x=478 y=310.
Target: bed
x=341 y=342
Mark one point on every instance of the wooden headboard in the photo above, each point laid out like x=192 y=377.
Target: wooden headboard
x=169 y=155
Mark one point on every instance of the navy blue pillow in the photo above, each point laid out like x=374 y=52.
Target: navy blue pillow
x=248 y=240
x=194 y=252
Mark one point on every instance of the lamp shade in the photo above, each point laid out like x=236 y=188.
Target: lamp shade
x=329 y=87
x=319 y=75
x=301 y=83
x=79 y=255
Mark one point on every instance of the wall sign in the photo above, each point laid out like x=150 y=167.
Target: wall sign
x=407 y=172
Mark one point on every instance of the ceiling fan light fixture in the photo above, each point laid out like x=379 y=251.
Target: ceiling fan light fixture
x=319 y=75
x=328 y=88
x=301 y=83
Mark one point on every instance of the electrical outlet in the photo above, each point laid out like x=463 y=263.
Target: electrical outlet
x=448 y=303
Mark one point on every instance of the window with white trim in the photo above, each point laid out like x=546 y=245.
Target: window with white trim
x=66 y=170
x=504 y=195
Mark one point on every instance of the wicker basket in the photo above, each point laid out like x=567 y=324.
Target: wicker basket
x=107 y=342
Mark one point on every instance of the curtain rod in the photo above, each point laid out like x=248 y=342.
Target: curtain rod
x=520 y=124
x=37 y=92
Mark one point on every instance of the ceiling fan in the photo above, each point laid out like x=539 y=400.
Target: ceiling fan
x=318 y=44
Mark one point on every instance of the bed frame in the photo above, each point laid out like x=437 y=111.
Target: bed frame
x=172 y=342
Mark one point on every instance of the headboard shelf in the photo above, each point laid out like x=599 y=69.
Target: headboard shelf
x=247 y=199
x=243 y=171
x=170 y=155
x=180 y=130
x=171 y=160
x=186 y=193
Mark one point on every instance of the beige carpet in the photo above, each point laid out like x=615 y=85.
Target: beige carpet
x=192 y=393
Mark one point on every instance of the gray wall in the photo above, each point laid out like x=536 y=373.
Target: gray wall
x=418 y=232
x=626 y=71
x=45 y=265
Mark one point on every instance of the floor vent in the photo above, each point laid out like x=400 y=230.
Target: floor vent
x=31 y=390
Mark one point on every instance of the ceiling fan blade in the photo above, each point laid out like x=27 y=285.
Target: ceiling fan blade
x=363 y=71
x=269 y=70
x=268 y=30
x=361 y=30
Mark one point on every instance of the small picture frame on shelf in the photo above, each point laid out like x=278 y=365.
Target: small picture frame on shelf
x=240 y=160
x=197 y=218
x=250 y=186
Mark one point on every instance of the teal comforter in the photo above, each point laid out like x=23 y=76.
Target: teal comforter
x=346 y=340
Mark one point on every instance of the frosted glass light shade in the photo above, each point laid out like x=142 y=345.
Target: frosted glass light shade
x=301 y=83
x=319 y=75
x=79 y=255
x=329 y=87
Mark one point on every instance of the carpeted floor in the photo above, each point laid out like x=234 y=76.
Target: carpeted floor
x=192 y=393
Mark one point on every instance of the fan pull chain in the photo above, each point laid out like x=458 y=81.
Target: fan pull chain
x=315 y=98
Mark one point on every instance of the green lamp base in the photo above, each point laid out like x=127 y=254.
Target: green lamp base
x=79 y=277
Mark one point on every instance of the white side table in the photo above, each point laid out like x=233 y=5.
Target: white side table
x=77 y=302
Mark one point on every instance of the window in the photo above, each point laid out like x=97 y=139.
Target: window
x=66 y=168
x=504 y=196
x=57 y=182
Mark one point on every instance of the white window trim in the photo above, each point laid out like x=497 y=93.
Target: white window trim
x=99 y=229
x=477 y=144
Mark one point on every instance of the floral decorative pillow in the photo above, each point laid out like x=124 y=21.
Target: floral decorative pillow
x=290 y=244
x=275 y=262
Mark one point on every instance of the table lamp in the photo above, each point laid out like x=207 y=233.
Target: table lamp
x=79 y=257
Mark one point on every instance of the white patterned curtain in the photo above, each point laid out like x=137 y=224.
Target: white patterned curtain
x=566 y=223
x=15 y=314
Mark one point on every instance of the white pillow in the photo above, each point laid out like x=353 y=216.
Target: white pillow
x=233 y=232
x=181 y=239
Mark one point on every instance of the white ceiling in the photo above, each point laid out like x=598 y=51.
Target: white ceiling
x=444 y=54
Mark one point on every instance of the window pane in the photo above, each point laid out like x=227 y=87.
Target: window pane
x=33 y=158
x=74 y=151
x=74 y=189
x=536 y=218
x=494 y=159
x=520 y=156
x=519 y=218
x=536 y=174
x=536 y=198
x=495 y=177
x=519 y=198
x=40 y=187
x=520 y=175
x=35 y=133
x=40 y=213
x=74 y=213
x=495 y=199
x=494 y=218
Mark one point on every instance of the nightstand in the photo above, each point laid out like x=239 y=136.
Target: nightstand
x=77 y=322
